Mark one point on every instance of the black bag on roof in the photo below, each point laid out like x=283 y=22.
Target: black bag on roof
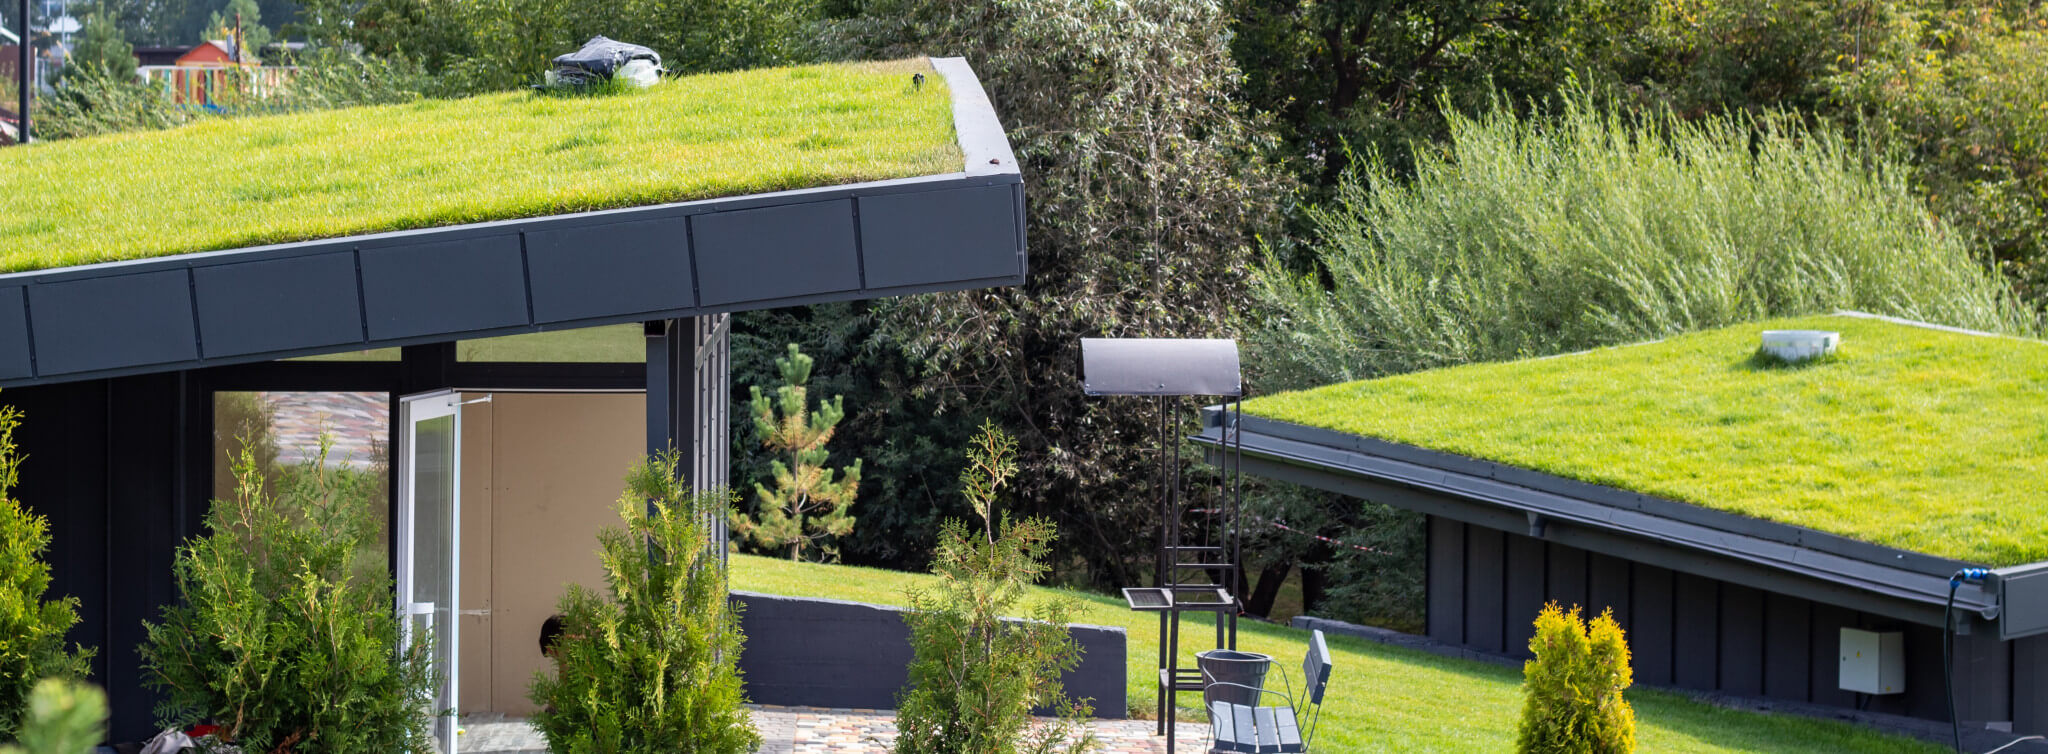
x=599 y=59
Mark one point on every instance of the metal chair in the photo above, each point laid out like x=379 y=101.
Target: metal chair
x=1252 y=729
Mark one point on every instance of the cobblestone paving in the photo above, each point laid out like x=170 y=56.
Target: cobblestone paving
x=810 y=730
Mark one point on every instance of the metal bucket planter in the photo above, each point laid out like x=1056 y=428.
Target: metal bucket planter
x=1232 y=666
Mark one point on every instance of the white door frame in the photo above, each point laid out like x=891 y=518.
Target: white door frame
x=414 y=409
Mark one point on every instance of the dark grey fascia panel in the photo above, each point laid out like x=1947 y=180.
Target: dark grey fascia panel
x=455 y=286
x=1160 y=366
x=14 y=347
x=791 y=250
x=254 y=307
x=912 y=239
x=143 y=318
x=518 y=276
x=642 y=265
x=1885 y=586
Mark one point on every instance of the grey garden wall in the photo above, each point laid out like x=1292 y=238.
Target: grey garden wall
x=833 y=653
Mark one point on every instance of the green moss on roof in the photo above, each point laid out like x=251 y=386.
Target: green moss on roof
x=1911 y=437
x=231 y=183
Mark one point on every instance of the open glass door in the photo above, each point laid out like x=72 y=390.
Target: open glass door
x=429 y=508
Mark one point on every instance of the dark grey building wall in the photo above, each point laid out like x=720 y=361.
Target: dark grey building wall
x=1485 y=587
x=832 y=653
x=103 y=467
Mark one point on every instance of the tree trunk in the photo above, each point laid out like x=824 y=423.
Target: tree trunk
x=1260 y=603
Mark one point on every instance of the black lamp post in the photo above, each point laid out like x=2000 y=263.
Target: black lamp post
x=25 y=76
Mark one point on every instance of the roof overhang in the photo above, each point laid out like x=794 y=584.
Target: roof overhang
x=952 y=231
x=1766 y=555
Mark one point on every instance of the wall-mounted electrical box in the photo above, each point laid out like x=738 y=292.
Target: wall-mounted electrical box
x=2022 y=600
x=1873 y=662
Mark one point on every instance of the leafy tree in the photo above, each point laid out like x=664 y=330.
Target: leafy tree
x=807 y=504
x=240 y=23
x=31 y=629
x=64 y=716
x=1147 y=188
x=1572 y=690
x=976 y=675
x=282 y=637
x=1956 y=86
x=653 y=666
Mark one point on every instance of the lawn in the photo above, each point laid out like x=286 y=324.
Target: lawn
x=236 y=182
x=1381 y=698
x=1911 y=437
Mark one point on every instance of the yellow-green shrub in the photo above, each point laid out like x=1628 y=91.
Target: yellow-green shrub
x=1572 y=690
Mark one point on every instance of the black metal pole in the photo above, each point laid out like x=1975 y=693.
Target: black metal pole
x=23 y=72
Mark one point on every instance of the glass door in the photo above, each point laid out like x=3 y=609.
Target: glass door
x=429 y=507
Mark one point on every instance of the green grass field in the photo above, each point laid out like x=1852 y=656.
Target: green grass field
x=1924 y=440
x=1381 y=698
x=234 y=182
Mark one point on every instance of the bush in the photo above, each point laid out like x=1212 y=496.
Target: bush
x=806 y=507
x=975 y=676
x=654 y=667
x=65 y=716
x=1572 y=690
x=1536 y=237
x=31 y=630
x=283 y=638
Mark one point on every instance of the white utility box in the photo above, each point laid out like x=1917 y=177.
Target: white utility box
x=1800 y=345
x=1873 y=662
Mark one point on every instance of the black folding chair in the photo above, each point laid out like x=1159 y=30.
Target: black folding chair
x=1252 y=729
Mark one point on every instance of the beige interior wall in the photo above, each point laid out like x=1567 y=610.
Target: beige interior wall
x=541 y=473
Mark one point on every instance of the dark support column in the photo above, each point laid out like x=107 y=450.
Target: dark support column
x=688 y=371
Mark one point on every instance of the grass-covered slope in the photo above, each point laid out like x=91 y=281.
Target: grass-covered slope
x=1912 y=437
x=1381 y=699
x=229 y=183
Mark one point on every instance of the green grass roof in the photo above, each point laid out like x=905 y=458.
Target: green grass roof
x=236 y=182
x=1916 y=438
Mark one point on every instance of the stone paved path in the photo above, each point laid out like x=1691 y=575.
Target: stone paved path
x=809 y=730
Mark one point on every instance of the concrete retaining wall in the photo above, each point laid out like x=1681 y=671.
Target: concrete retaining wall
x=834 y=653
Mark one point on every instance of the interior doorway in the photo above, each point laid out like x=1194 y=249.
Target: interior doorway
x=507 y=494
x=541 y=474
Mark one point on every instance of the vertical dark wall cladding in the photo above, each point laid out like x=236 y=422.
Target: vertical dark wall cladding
x=1742 y=640
x=1566 y=581
x=1983 y=675
x=1525 y=591
x=14 y=357
x=1650 y=629
x=1925 y=695
x=1788 y=640
x=1825 y=682
x=1696 y=611
x=1607 y=587
x=2030 y=699
x=1485 y=564
x=1446 y=580
x=102 y=466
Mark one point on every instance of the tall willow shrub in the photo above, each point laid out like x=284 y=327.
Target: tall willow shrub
x=1532 y=236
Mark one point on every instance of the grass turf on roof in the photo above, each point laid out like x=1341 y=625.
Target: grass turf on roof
x=1915 y=438
x=237 y=182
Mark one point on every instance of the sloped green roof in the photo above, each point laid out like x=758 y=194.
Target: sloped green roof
x=238 y=182
x=1912 y=437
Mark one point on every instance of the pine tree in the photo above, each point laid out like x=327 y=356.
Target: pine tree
x=102 y=51
x=806 y=505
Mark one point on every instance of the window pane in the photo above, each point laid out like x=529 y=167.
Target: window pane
x=612 y=343
x=282 y=431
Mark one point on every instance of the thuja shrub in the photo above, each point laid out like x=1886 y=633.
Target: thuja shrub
x=31 y=629
x=975 y=676
x=1571 y=691
x=653 y=665
x=64 y=716
x=282 y=638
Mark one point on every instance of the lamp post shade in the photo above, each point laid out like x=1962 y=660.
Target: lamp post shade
x=1160 y=366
